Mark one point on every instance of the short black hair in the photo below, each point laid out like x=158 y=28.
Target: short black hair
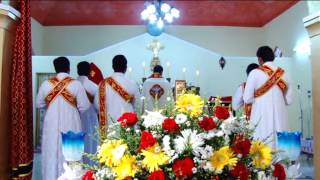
x=158 y=69
x=83 y=68
x=251 y=67
x=61 y=64
x=265 y=53
x=119 y=63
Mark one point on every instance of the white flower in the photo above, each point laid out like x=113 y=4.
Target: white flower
x=190 y=139
x=194 y=170
x=181 y=118
x=153 y=119
x=118 y=153
x=213 y=133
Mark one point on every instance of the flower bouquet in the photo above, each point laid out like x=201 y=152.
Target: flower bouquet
x=184 y=141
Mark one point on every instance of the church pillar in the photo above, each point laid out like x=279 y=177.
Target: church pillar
x=312 y=24
x=8 y=19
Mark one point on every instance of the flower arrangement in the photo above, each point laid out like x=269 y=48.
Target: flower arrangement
x=182 y=142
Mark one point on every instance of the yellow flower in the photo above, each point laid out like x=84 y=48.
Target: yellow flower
x=111 y=152
x=190 y=104
x=126 y=168
x=223 y=157
x=154 y=157
x=261 y=154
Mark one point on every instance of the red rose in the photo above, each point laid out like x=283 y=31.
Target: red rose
x=279 y=172
x=128 y=119
x=183 y=167
x=241 y=171
x=207 y=124
x=157 y=175
x=214 y=178
x=89 y=175
x=222 y=112
x=146 y=140
x=241 y=145
x=170 y=125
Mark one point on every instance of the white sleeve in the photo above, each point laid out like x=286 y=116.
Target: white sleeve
x=40 y=100
x=248 y=95
x=237 y=99
x=289 y=92
x=137 y=97
x=83 y=102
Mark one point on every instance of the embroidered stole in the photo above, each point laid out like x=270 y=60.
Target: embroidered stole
x=102 y=100
x=60 y=89
x=275 y=78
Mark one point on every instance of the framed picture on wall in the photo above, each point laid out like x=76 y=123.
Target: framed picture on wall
x=180 y=87
x=277 y=52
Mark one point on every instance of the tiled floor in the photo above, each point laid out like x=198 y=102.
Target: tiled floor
x=306 y=167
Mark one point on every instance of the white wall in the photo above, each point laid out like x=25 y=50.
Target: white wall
x=37 y=37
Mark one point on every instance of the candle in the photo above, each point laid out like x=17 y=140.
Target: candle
x=129 y=71
x=184 y=70
x=144 y=68
x=168 y=69
x=198 y=79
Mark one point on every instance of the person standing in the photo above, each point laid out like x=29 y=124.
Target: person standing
x=89 y=118
x=63 y=98
x=269 y=91
x=156 y=90
x=117 y=94
x=237 y=99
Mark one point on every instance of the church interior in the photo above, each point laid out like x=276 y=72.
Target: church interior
x=209 y=45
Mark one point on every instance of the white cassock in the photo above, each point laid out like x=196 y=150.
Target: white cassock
x=115 y=104
x=269 y=111
x=156 y=91
x=60 y=117
x=89 y=119
x=237 y=99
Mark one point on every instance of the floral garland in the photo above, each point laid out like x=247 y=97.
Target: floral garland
x=181 y=142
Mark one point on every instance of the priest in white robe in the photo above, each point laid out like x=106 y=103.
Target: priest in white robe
x=63 y=98
x=117 y=94
x=156 y=90
x=269 y=91
x=89 y=118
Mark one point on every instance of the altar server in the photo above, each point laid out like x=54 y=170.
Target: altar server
x=117 y=94
x=90 y=117
x=237 y=99
x=269 y=91
x=156 y=90
x=63 y=98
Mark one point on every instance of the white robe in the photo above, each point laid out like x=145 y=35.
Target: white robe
x=150 y=102
x=115 y=104
x=89 y=120
x=60 y=117
x=269 y=111
x=237 y=99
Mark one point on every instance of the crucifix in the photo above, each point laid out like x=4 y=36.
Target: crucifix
x=155 y=46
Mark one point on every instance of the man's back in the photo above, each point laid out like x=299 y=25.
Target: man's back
x=268 y=110
x=156 y=89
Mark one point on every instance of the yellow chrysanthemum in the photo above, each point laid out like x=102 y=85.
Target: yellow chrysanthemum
x=154 y=157
x=223 y=157
x=126 y=168
x=190 y=104
x=261 y=154
x=111 y=152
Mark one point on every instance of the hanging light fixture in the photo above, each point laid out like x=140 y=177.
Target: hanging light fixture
x=157 y=13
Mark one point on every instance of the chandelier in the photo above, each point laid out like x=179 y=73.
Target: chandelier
x=158 y=12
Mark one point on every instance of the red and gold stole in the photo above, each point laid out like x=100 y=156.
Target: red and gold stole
x=275 y=78
x=247 y=108
x=60 y=89
x=102 y=99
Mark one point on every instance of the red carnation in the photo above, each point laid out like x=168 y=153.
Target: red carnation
x=147 y=140
x=89 y=175
x=157 y=175
x=241 y=145
x=207 y=124
x=128 y=119
x=241 y=171
x=222 y=112
x=170 y=125
x=279 y=172
x=183 y=167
